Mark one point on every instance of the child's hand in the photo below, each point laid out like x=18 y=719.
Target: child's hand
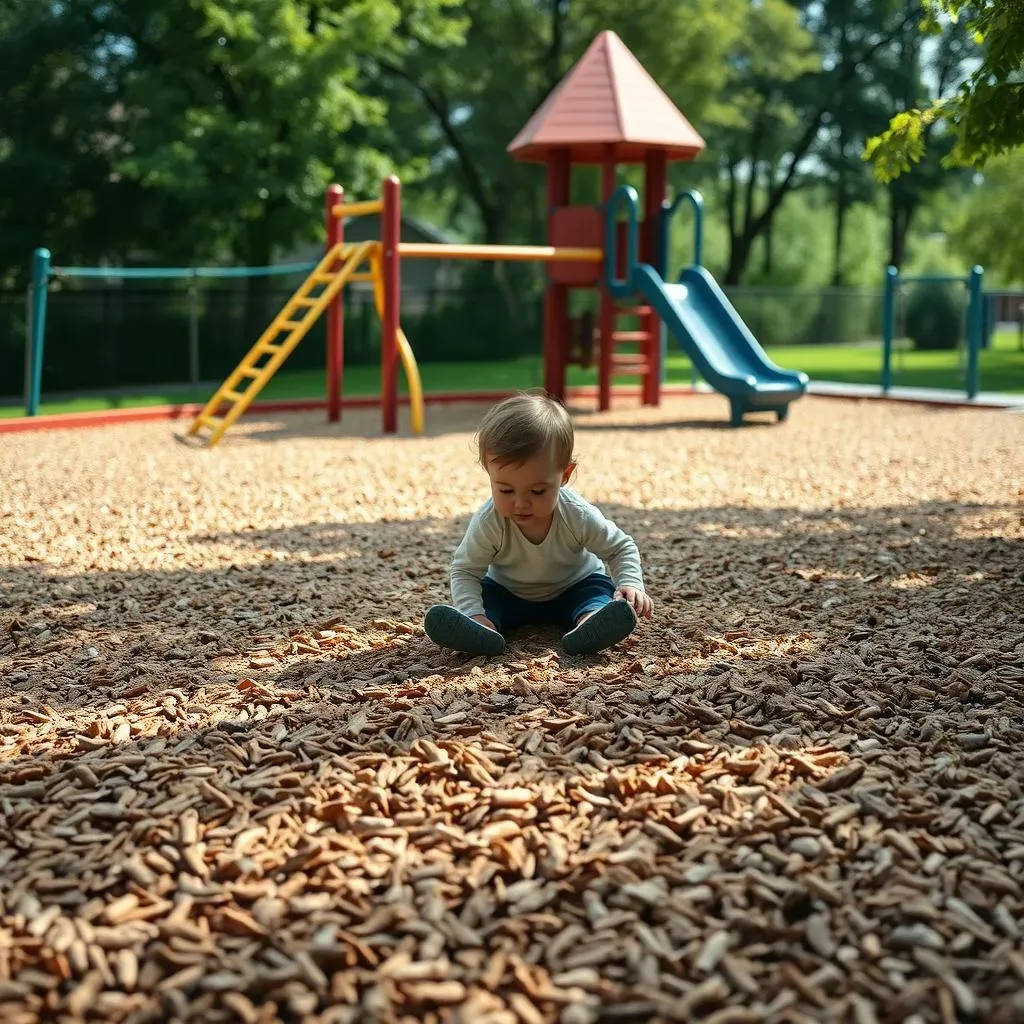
x=484 y=621
x=637 y=599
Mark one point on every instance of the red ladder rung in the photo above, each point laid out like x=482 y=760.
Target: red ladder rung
x=631 y=336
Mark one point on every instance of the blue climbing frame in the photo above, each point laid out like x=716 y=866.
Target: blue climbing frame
x=975 y=320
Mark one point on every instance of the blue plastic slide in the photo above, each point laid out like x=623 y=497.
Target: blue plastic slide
x=700 y=317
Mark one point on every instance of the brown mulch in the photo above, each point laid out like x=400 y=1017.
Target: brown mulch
x=237 y=783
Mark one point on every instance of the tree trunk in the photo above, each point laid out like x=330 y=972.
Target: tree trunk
x=842 y=209
x=739 y=257
x=768 y=259
x=901 y=213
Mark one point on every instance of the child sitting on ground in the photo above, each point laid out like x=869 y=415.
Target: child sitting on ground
x=533 y=553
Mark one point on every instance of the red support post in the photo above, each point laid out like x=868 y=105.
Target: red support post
x=655 y=188
x=556 y=340
x=391 y=236
x=607 y=318
x=335 y=311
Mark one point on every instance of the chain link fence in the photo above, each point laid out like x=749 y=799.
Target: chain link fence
x=816 y=316
x=102 y=336
x=105 y=335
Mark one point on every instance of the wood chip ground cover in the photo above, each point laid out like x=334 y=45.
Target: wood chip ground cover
x=237 y=783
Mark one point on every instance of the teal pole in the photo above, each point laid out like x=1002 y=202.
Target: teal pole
x=892 y=275
x=668 y=210
x=698 y=228
x=40 y=283
x=975 y=330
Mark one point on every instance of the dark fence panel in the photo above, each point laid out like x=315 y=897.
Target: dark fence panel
x=13 y=324
x=107 y=335
x=136 y=333
x=822 y=316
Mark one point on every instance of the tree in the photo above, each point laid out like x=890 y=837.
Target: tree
x=752 y=133
x=844 y=28
x=989 y=230
x=910 y=70
x=516 y=51
x=57 y=139
x=797 y=107
x=224 y=118
x=985 y=114
x=248 y=108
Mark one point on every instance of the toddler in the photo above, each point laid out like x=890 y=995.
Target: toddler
x=533 y=553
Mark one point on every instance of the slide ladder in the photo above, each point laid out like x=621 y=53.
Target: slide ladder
x=341 y=264
x=637 y=360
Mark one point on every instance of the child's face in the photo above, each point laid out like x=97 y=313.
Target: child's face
x=527 y=492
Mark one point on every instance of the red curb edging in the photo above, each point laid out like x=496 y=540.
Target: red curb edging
x=152 y=413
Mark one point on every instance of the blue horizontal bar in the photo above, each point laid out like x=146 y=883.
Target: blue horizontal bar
x=155 y=273
x=934 y=279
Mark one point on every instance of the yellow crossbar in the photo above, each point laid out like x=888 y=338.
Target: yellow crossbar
x=358 y=209
x=543 y=253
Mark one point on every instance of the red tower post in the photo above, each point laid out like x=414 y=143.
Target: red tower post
x=655 y=188
x=607 y=346
x=391 y=237
x=334 y=195
x=556 y=328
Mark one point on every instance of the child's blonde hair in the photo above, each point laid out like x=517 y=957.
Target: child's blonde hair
x=519 y=428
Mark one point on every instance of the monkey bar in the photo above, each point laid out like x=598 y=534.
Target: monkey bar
x=523 y=253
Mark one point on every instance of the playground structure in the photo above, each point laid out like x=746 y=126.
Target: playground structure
x=375 y=262
x=607 y=111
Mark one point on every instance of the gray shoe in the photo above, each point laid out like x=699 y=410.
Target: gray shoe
x=448 y=627
x=613 y=623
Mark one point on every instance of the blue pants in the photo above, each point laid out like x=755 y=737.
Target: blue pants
x=507 y=611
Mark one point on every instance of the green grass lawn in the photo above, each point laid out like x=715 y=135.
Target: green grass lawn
x=1002 y=369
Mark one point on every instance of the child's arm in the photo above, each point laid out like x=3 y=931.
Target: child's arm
x=618 y=549
x=471 y=560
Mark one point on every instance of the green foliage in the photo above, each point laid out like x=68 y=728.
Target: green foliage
x=903 y=144
x=986 y=114
x=205 y=130
x=990 y=227
x=935 y=315
x=931 y=254
x=864 y=254
x=56 y=132
x=221 y=119
x=249 y=108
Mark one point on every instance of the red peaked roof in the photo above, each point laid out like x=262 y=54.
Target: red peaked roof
x=607 y=98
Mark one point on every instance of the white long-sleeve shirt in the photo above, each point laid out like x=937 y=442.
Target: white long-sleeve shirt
x=581 y=540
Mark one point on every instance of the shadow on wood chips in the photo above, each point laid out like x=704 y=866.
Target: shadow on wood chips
x=259 y=793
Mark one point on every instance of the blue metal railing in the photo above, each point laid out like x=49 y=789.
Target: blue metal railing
x=43 y=272
x=668 y=212
x=167 y=273
x=621 y=287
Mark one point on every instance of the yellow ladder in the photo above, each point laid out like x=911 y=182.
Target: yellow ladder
x=279 y=340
